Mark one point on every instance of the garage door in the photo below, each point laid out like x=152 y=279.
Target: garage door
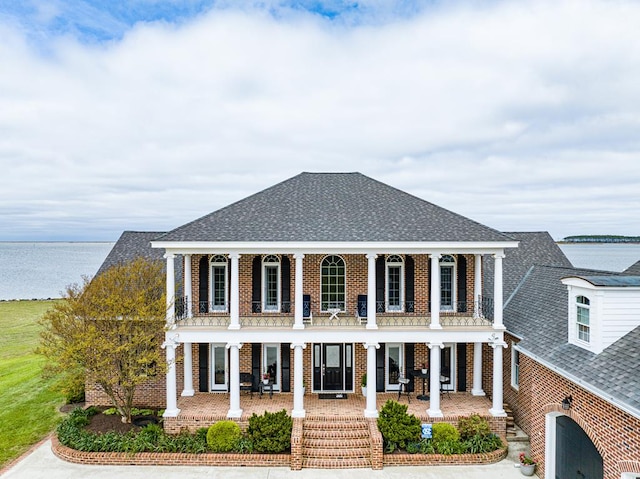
x=576 y=456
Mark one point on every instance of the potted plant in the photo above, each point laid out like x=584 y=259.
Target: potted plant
x=424 y=368
x=265 y=378
x=363 y=384
x=527 y=465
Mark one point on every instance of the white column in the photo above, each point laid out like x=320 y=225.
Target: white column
x=498 y=408
x=477 y=370
x=171 y=288
x=497 y=292
x=371 y=404
x=435 y=292
x=477 y=286
x=234 y=380
x=298 y=380
x=188 y=371
x=298 y=308
x=371 y=295
x=188 y=294
x=234 y=299
x=434 y=380
x=170 y=344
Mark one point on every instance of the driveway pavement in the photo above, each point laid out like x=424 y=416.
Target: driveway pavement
x=40 y=463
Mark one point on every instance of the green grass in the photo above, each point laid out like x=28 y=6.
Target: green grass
x=29 y=406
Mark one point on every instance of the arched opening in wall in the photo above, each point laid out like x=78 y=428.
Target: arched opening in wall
x=569 y=451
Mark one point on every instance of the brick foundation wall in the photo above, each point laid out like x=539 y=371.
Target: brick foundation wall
x=614 y=432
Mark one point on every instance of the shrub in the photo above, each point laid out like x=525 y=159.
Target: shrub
x=482 y=443
x=473 y=425
x=270 y=432
x=446 y=439
x=223 y=436
x=397 y=427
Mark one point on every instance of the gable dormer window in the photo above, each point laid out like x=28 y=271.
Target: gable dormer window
x=583 y=330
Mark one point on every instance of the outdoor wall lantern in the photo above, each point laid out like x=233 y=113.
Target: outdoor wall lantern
x=566 y=402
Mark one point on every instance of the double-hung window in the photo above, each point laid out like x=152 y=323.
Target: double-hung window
x=332 y=278
x=395 y=283
x=447 y=283
x=219 y=283
x=271 y=283
x=582 y=318
x=515 y=368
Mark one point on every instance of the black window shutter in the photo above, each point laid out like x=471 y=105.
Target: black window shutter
x=462 y=284
x=462 y=366
x=409 y=364
x=409 y=287
x=203 y=367
x=429 y=283
x=203 y=284
x=256 y=284
x=285 y=363
x=285 y=279
x=256 y=349
x=380 y=286
x=380 y=368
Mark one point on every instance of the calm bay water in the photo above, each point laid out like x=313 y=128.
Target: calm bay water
x=43 y=270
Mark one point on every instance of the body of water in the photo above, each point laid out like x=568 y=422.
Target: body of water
x=604 y=256
x=44 y=270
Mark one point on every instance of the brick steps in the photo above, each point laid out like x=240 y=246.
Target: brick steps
x=336 y=444
x=511 y=424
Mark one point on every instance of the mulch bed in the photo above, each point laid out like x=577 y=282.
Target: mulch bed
x=101 y=423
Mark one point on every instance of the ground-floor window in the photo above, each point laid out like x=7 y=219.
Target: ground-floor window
x=271 y=364
x=219 y=367
x=394 y=365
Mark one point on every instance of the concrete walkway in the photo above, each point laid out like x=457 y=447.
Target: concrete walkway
x=40 y=463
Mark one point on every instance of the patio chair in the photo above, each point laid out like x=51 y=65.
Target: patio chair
x=307 y=315
x=403 y=387
x=246 y=383
x=361 y=308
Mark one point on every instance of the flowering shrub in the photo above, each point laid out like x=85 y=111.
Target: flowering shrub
x=526 y=460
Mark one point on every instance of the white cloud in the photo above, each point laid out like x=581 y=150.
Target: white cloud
x=520 y=115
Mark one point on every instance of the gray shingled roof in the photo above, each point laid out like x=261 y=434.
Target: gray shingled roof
x=538 y=314
x=536 y=247
x=613 y=281
x=633 y=270
x=132 y=245
x=333 y=207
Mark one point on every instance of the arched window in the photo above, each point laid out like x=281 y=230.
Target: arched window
x=271 y=283
x=582 y=318
x=447 y=283
x=395 y=283
x=332 y=280
x=218 y=283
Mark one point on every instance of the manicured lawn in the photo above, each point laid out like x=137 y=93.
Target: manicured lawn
x=29 y=407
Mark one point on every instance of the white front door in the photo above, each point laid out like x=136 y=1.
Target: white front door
x=219 y=367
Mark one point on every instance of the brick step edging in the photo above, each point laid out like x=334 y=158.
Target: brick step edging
x=167 y=458
x=406 y=459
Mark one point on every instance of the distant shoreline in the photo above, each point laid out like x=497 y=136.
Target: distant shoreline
x=597 y=242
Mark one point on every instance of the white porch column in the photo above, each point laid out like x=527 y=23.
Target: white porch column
x=477 y=370
x=434 y=380
x=234 y=299
x=435 y=293
x=371 y=297
x=497 y=292
x=234 y=380
x=498 y=408
x=171 y=288
x=188 y=371
x=371 y=405
x=298 y=380
x=170 y=344
x=298 y=307
x=188 y=294
x=477 y=286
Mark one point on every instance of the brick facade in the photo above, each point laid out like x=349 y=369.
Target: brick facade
x=615 y=433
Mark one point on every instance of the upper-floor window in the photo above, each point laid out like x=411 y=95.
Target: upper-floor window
x=447 y=283
x=271 y=283
x=582 y=318
x=219 y=283
x=395 y=282
x=332 y=283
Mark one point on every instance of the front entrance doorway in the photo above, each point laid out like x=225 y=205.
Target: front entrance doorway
x=333 y=367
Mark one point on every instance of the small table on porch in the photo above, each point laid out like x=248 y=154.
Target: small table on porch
x=423 y=376
x=263 y=385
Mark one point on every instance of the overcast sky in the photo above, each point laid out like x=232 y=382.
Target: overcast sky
x=522 y=115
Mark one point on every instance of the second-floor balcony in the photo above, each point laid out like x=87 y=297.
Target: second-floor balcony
x=335 y=313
